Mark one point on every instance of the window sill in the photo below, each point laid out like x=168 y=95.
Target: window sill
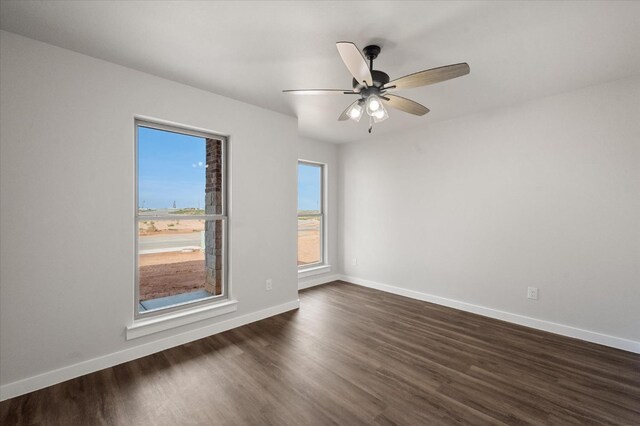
x=314 y=270
x=176 y=319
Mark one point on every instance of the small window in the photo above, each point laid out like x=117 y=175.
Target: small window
x=181 y=218
x=311 y=214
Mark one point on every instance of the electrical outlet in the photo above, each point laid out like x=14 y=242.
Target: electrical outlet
x=269 y=285
x=532 y=293
x=354 y=261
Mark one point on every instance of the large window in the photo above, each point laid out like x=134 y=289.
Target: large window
x=180 y=218
x=311 y=214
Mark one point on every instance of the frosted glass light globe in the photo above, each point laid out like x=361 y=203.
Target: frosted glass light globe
x=355 y=111
x=374 y=103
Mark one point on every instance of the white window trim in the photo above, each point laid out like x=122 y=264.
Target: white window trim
x=182 y=314
x=322 y=266
x=314 y=270
x=174 y=319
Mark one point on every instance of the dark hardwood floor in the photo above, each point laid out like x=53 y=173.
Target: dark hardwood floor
x=350 y=356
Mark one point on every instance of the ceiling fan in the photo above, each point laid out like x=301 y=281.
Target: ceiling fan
x=372 y=86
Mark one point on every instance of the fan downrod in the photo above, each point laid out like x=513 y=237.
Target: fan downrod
x=380 y=78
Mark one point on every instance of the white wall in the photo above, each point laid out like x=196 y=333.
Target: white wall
x=476 y=209
x=326 y=153
x=67 y=205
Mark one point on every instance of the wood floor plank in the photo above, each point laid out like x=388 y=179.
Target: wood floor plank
x=352 y=355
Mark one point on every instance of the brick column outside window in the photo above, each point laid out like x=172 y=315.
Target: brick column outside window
x=213 y=205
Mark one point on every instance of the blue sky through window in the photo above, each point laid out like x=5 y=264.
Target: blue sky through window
x=171 y=167
x=309 y=187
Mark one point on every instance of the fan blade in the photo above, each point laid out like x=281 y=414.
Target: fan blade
x=434 y=75
x=355 y=62
x=321 y=92
x=344 y=116
x=404 y=104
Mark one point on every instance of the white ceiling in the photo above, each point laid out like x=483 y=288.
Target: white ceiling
x=251 y=51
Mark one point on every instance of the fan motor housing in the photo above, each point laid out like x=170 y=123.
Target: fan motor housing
x=380 y=78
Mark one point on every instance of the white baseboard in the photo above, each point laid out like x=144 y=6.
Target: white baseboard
x=311 y=282
x=552 y=327
x=49 y=378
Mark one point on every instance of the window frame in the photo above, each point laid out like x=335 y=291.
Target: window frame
x=205 y=301
x=322 y=215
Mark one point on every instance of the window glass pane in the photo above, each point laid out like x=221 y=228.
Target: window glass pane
x=178 y=261
x=178 y=174
x=309 y=188
x=309 y=240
